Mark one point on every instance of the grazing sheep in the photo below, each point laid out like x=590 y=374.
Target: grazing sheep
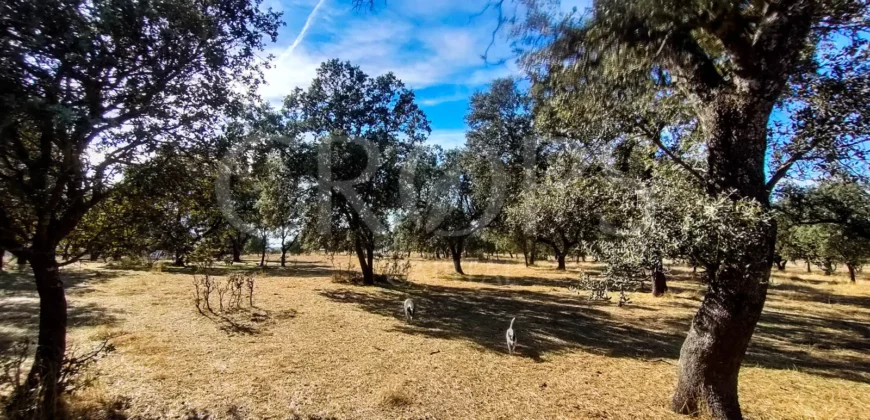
x=408 y=306
x=511 y=338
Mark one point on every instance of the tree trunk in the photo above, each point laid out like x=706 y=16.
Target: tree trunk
x=533 y=255
x=809 y=268
x=827 y=267
x=560 y=258
x=365 y=255
x=21 y=260
x=45 y=372
x=283 y=257
x=851 y=268
x=660 y=283
x=2 y=254
x=238 y=244
x=179 y=260
x=780 y=262
x=456 y=248
x=263 y=254
x=736 y=125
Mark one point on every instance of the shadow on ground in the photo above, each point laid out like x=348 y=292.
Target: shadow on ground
x=545 y=323
x=549 y=324
x=19 y=305
x=293 y=269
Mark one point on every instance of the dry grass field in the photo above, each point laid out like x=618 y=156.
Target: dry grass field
x=316 y=349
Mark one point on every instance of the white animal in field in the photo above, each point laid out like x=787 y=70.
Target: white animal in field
x=511 y=337
x=409 y=308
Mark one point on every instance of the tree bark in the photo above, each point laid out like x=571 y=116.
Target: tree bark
x=51 y=347
x=659 y=281
x=710 y=358
x=365 y=255
x=21 y=260
x=780 y=262
x=809 y=268
x=283 y=257
x=828 y=267
x=851 y=268
x=456 y=248
x=179 y=260
x=263 y=253
x=238 y=244
x=533 y=254
x=560 y=259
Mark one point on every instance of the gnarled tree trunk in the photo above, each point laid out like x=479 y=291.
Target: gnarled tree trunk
x=711 y=356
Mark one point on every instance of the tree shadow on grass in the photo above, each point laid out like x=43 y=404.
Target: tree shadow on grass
x=550 y=324
x=296 y=269
x=19 y=305
x=496 y=281
x=804 y=293
x=545 y=323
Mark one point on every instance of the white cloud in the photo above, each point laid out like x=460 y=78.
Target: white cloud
x=444 y=99
x=304 y=30
x=421 y=54
x=448 y=139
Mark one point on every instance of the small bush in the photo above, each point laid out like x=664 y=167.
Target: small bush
x=22 y=402
x=393 y=269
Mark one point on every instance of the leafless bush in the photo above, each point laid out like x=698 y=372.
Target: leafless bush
x=21 y=396
x=222 y=289
x=203 y=284
x=344 y=273
x=236 y=285
x=249 y=284
x=393 y=268
x=71 y=378
x=13 y=367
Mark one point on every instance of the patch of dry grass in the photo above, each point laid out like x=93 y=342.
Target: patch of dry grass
x=329 y=350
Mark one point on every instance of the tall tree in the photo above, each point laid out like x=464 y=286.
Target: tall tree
x=282 y=199
x=458 y=207
x=365 y=129
x=500 y=127
x=117 y=77
x=566 y=208
x=732 y=63
x=826 y=223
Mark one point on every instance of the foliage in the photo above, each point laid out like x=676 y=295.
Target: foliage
x=341 y=107
x=115 y=78
x=825 y=224
x=567 y=208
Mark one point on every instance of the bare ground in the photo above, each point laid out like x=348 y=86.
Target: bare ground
x=316 y=349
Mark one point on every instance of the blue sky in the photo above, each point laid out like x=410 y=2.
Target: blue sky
x=434 y=46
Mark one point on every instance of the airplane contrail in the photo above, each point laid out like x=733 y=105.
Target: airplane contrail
x=304 y=30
